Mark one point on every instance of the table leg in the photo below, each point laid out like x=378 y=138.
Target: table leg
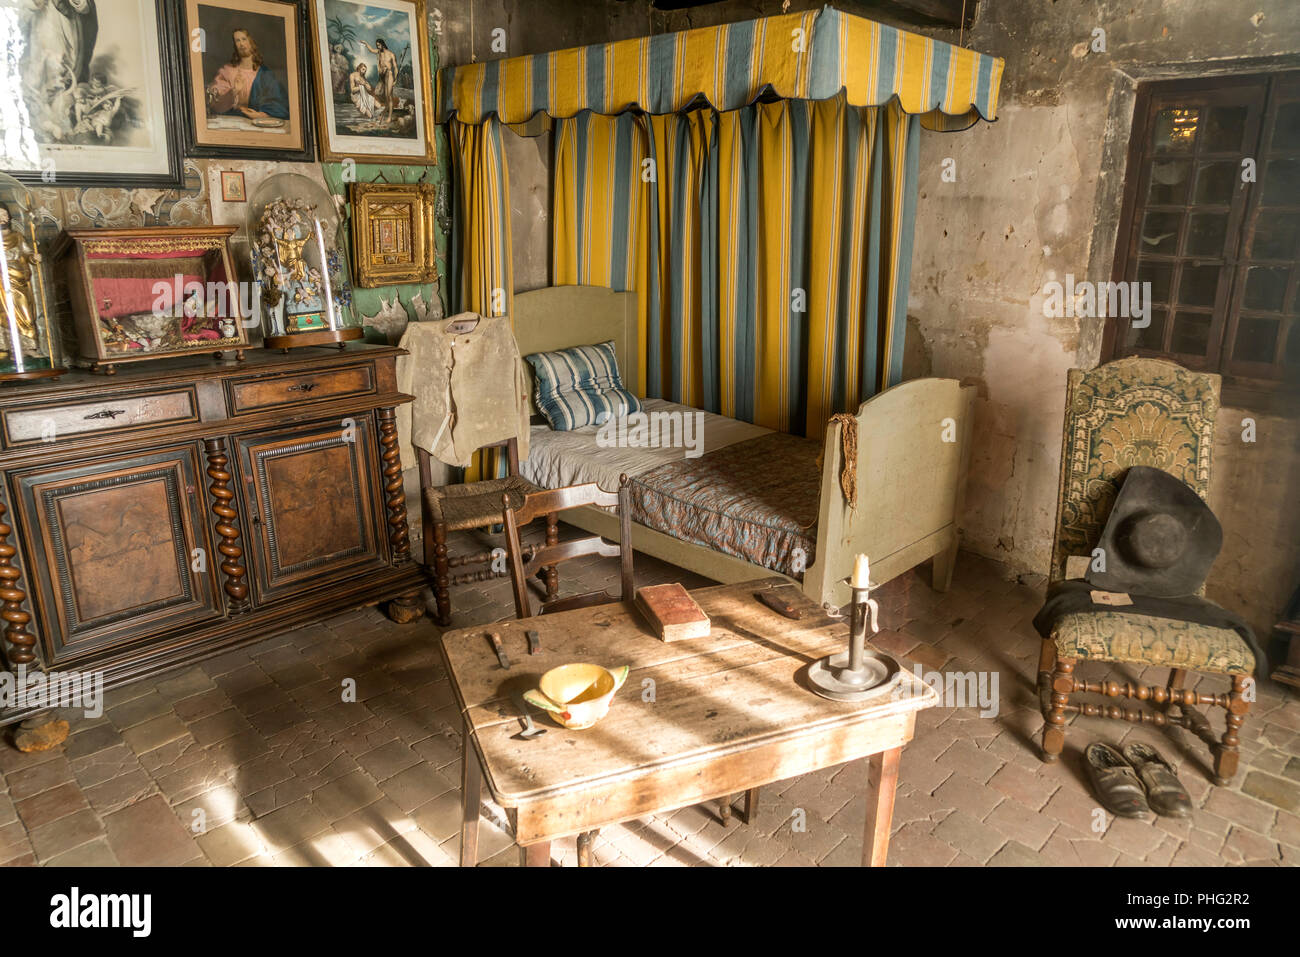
x=535 y=855
x=470 y=788
x=882 y=780
x=724 y=809
x=585 y=840
x=751 y=805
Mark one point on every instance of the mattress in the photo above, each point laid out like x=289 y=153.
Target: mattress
x=745 y=491
x=559 y=459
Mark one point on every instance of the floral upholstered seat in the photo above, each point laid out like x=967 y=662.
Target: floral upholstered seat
x=1143 y=640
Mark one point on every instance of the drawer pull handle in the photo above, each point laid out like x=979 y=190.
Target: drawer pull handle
x=105 y=414
x=302 y=387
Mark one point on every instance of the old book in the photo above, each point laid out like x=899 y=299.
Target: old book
x=671 y=612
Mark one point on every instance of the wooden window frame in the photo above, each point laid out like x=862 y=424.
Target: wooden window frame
x=1268 y=388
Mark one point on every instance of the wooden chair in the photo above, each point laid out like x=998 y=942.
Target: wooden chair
x=450 y=508
x=517 y=513
x=1136 y=411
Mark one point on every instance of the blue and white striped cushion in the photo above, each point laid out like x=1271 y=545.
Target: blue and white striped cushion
x=580 y=386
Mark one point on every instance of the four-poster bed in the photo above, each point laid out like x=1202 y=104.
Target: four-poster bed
x=751 y=189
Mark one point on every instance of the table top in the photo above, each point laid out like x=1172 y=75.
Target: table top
x=742 y=687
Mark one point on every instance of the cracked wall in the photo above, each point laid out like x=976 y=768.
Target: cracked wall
x=1037 y=197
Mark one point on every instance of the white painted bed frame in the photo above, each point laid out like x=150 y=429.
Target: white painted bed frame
x=913 y=454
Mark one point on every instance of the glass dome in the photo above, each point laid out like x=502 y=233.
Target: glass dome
x=29 y=339
x=304 y=292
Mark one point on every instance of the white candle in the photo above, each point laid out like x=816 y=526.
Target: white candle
x=861 y=572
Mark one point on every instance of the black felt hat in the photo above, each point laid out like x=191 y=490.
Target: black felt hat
x=1160 y=540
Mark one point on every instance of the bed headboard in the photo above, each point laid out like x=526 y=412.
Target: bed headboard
x=559 y=317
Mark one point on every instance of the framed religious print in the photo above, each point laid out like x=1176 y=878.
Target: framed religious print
x=245 y=87
x=392 y=233
x=374 y=101
x=94 y=91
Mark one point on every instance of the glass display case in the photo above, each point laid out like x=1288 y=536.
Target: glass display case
x=29 y=336
x=304 y=289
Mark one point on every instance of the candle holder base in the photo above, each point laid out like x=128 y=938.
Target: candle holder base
x=831 y=679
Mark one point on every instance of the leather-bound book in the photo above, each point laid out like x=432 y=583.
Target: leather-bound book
x=671 y=612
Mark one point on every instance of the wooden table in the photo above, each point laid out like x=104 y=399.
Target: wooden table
x=697 y=720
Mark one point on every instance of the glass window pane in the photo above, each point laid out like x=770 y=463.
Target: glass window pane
x=1191 y=334
x=1286 y=129
x=1160 y=233
x=1215 y=183
x=1175 y=130
x=1152 y=337
x=1282 y=182
x=1168 y=183
x=1292 y=354
x=1276 y=234
x=1266 y=287
x=1224 y=128
x=1160 y=275
x=1206 y=235
x=1199 y=285
x=1256 y=340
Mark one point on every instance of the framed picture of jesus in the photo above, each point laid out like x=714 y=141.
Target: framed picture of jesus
x=374 y=100
x=244 y=79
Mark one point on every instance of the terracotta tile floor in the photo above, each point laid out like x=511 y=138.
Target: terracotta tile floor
x=252 y=759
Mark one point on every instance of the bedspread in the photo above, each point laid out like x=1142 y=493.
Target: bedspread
x=756 y=500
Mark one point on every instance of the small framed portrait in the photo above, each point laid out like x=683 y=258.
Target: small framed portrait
x=232 y=186
x=392 y=233
x=244 y=69
x=93 y=86
x=374 y=100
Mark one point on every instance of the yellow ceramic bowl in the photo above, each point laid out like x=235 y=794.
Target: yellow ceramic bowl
x=577 y=695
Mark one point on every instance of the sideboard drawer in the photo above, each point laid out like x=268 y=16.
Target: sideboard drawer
x=49 y=423
x=276 y=391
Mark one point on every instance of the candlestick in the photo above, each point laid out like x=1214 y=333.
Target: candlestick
x=858 y=673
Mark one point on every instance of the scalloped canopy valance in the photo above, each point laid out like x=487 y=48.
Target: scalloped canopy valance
x=810 y=56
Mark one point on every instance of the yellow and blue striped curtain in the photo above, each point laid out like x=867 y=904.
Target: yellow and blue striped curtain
x=481 y=243
x=769 y=247
x=755 y=183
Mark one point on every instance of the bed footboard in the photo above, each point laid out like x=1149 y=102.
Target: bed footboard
x=913 y=454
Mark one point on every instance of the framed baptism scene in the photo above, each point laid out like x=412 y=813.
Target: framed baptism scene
x=244 y=70
x=92 y=88
x=374 y=98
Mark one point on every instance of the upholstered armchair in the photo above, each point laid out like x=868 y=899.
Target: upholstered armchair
x=1135 y=411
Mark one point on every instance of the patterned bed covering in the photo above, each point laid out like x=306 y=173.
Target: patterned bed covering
x=756 y=500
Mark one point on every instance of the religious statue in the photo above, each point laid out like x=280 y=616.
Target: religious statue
x=16 y=288
x=283 y=230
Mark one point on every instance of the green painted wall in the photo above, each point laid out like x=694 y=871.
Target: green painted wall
x=367 y=302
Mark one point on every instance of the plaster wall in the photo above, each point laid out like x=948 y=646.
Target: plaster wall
x=1037 y=196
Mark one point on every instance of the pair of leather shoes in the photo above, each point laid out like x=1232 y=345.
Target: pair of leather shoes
x=1136 y=782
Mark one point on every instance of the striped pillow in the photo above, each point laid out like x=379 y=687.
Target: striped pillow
x=580 y=386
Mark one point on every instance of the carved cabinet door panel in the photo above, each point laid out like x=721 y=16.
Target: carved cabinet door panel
x=313 y=500
x=120 y=550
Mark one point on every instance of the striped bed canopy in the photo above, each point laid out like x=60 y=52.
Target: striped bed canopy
x=812 y=55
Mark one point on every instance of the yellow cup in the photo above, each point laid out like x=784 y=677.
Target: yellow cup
x=577 y=695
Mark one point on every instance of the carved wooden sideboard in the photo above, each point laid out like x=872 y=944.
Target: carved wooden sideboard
x=176 y=510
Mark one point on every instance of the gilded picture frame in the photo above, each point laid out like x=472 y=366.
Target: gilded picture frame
x=393 y=234
x=372 y=83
